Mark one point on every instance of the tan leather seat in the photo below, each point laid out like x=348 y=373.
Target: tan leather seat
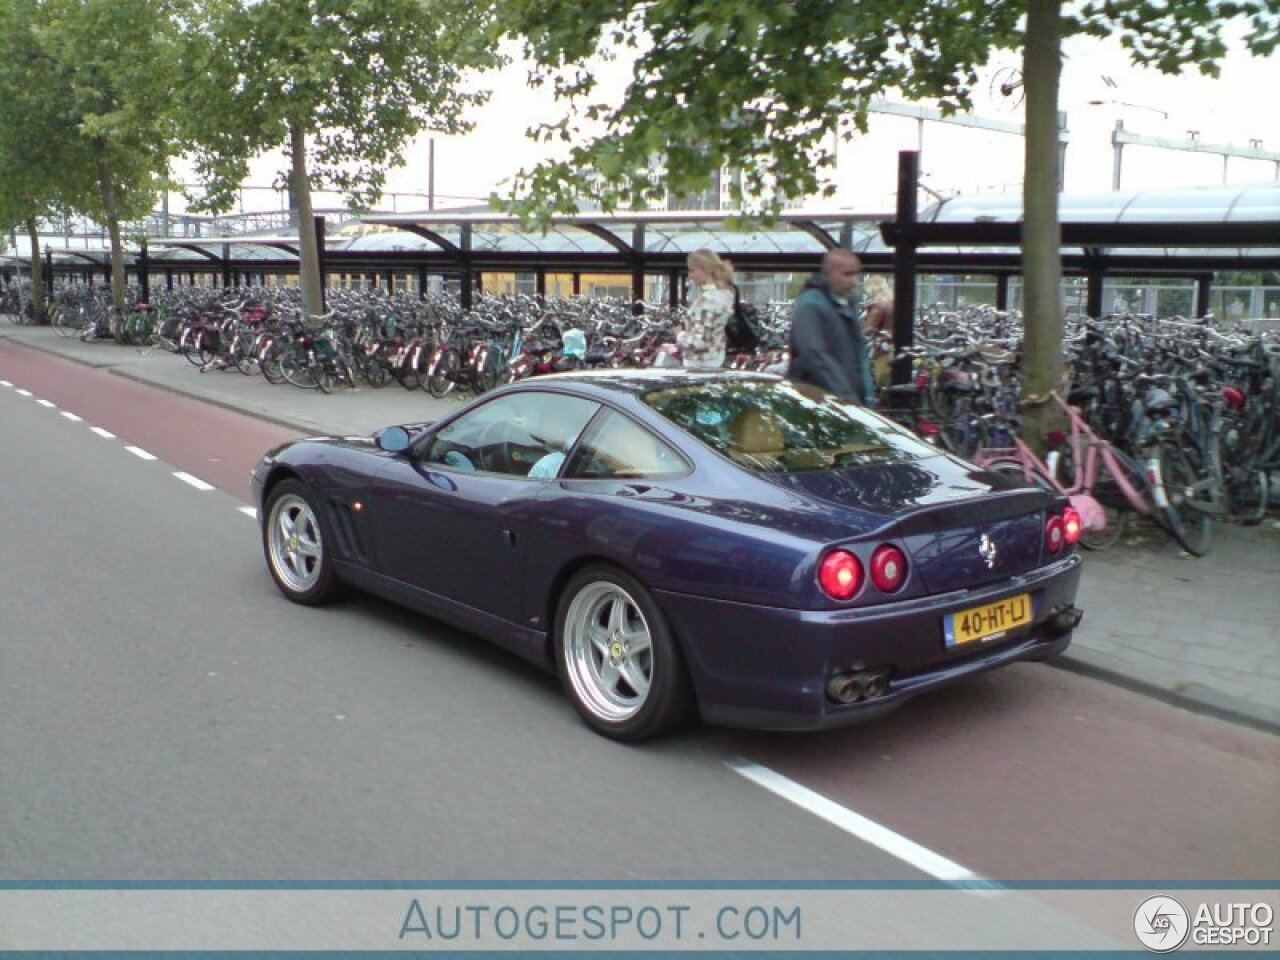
x=755 y=431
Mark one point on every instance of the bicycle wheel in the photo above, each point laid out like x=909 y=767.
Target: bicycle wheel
x=341 y=371
x=188 y=344
x=269 y=364
x=243 y=356
x=1190 y=525
x=1116 y=521
x=442 y=379
x=1014 y=468
x=494 y=373
x=298 y=371
x=1248 y=491
x=1115 y=505
x=370 y=370
x=955 y=427
x=208 y=348
x=68 y=323
x=407 y=375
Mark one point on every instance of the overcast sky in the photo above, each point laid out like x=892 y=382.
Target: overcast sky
x=1235 y=108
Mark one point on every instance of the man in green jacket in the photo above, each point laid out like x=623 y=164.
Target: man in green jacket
x=828 y=348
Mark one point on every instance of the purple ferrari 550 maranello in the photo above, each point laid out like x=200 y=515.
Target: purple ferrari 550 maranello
x=674 y=544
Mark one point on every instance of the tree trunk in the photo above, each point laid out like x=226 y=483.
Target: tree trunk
x=39 y=311
x=1041 y=232
x=309 y=261
x=107 y=193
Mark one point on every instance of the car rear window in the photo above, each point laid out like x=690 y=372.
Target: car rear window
x=777 y=426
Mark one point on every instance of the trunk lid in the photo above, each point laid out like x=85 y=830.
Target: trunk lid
x=961 y=527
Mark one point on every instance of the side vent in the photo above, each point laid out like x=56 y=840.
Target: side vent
x=346 y=531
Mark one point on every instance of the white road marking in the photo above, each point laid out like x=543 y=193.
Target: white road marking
x=140 y=453
x=249 y=512
x=5 y=383
x=106 y=434
x=71 y=416
x=194 y=481
x=855 y=824
x=45 y=403
x=23 y=393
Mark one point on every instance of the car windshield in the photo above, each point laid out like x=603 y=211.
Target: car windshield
x=776 y=426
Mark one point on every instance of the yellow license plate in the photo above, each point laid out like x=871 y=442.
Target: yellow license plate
x=988 y=621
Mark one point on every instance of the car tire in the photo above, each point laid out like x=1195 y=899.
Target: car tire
x=295 y=542
x=617 y=658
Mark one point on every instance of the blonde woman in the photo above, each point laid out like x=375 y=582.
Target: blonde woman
x=710 y=307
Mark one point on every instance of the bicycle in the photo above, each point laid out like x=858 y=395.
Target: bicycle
x=1229 y=481
x=1102 y=480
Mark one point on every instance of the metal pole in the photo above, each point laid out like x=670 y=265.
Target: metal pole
x=637 y=269
x=431 y=173
x=1204 y=287
x=320 y=258
x=904 y=263
x=144 y=270
x=1093 y=295
x=464 y=266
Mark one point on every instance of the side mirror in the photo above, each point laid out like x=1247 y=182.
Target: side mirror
x=392 y=439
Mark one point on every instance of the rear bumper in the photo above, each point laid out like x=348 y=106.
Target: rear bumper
x=768 y=667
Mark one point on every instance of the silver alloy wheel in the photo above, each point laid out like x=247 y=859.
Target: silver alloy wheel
x=294 y=543
x=608 y=651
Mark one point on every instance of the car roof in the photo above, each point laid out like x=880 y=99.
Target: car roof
x=636 y=382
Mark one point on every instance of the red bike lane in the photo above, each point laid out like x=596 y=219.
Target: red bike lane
x=1032 y=773
x=215 y=445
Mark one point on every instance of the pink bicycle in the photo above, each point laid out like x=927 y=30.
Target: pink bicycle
x=1104 y=484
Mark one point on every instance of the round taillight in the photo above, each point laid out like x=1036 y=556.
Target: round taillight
x=1071 y=524
x=1054 y=534
x=888 y=568
x=840 y=575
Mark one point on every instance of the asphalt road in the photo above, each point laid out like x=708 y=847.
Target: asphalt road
x=167 y=715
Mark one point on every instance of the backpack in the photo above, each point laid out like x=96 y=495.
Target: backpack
x=742 y=331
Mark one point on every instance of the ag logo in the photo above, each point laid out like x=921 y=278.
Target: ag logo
x=1161 y=924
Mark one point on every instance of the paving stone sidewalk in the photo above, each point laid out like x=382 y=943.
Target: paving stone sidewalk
x=1202 y=633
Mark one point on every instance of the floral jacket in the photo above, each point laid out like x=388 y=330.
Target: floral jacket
x=702 y=340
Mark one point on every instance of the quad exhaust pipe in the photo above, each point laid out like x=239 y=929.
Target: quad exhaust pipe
x=1063 y=619
x=848 y=686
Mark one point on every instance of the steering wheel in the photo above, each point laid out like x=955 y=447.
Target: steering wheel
x=494 y=454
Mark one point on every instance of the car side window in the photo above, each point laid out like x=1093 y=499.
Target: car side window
x=525 y=434
x=619 y=447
